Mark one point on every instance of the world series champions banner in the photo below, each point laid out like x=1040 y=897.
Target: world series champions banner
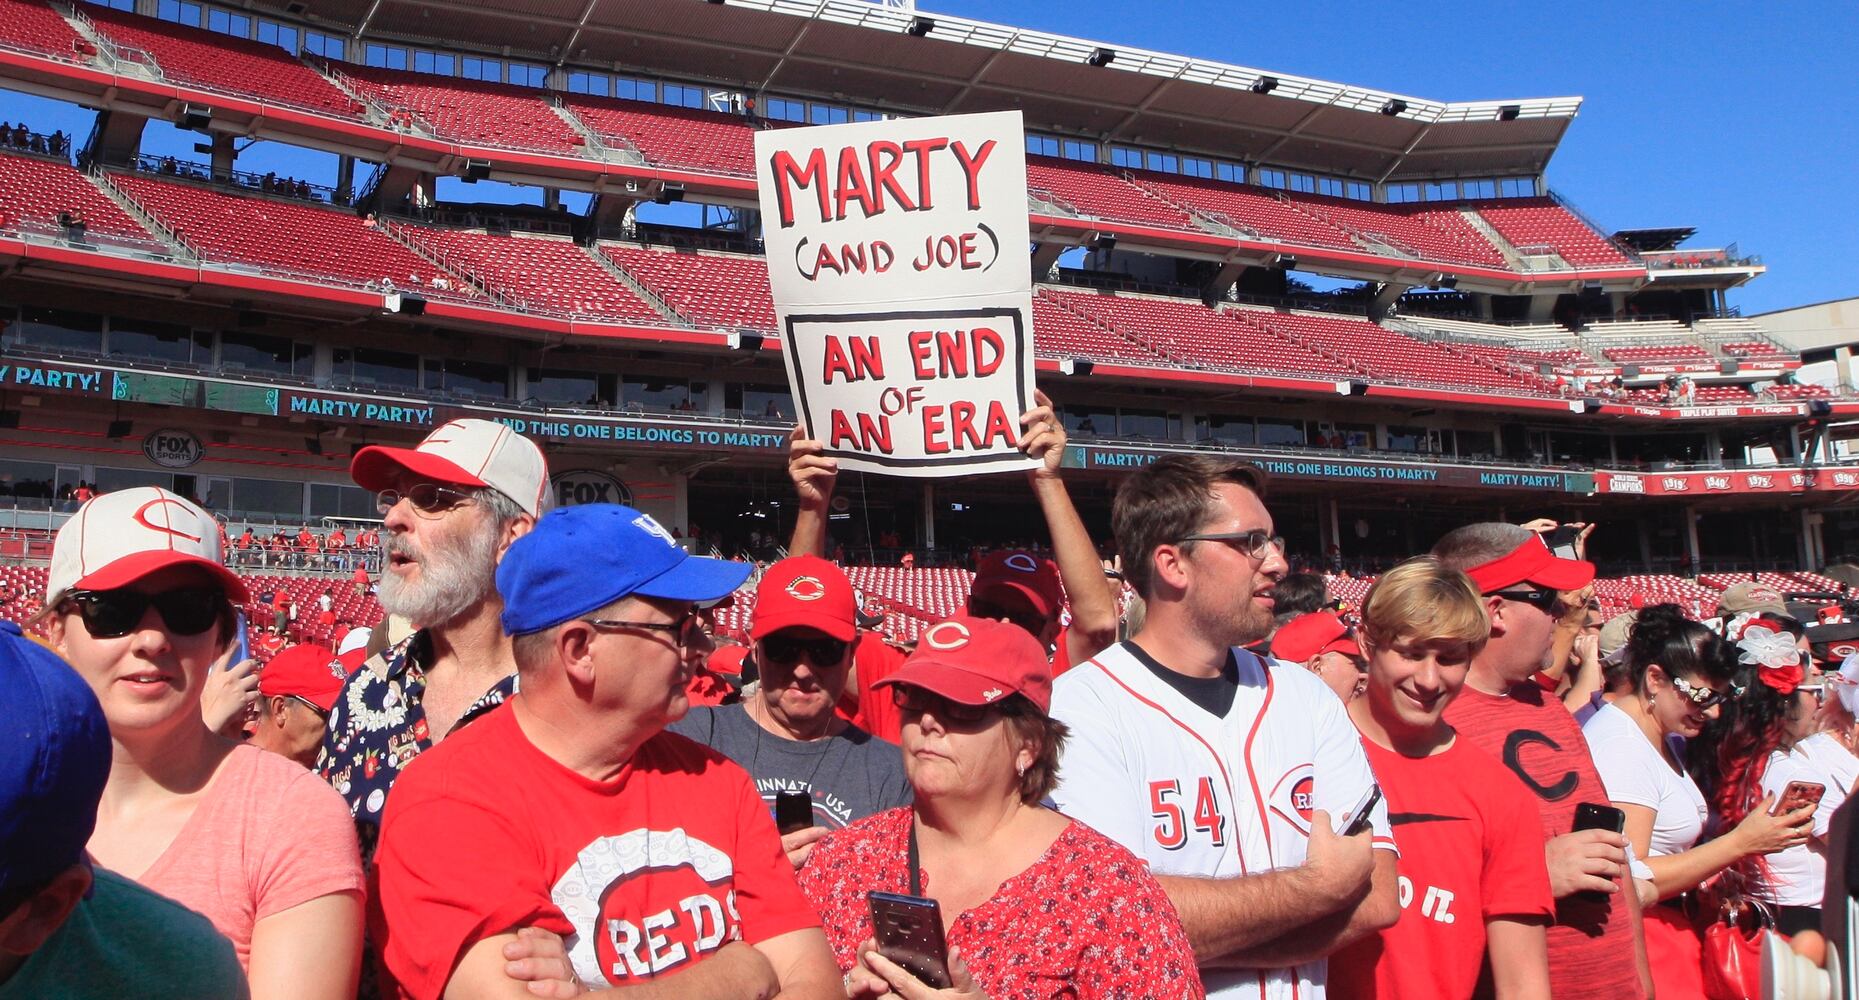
x=897 y=254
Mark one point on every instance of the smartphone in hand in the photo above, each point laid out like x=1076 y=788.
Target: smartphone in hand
x=793 y=812
x=1798 y=794
x=909 y=932
x=1359 y=817
x=1561 y=541
x=242 y=641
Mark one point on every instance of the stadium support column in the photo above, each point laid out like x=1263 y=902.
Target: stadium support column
x=1692 y=550
x=1813 y=544
x=1384 y=300
x=929 y=513
x=223 y=156
x=345 y=178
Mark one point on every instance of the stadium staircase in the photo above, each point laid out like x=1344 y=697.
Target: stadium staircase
x=376 y=112
x=621 y=152
x=452 y=264
x=717 y=290
x=120 y=59
x=646 y=294
x=177 y=243
x=546 y=274
x=1512 y=259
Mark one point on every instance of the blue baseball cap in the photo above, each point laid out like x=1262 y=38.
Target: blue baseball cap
x=56 y=761
x=583 y=558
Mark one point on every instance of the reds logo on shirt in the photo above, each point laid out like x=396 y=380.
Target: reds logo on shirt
x=616 y=939
x=1293 y=797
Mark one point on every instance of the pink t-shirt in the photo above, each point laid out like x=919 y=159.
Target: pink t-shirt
x=267 y=836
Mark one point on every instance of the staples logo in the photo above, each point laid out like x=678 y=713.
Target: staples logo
x=1675 y=484
x=1716 y=482
x=1625 y=484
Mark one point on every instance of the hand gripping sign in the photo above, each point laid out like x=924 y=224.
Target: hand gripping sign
x=897 y=257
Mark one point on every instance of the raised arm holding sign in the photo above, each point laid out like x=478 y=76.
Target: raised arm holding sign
x=901 y=287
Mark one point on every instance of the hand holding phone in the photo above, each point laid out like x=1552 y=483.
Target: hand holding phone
x=1561 y=541
x=909 y=932
x=793 y=811
x=1798 y=794
x=1359 y=818
x=242 y=640
x=1589 y=816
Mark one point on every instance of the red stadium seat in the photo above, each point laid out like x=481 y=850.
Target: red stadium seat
x=1529 y=222
x=544 y=273
x=279 y=236
x=710 y=141
x=31 y=26
x=215 y=61
x=1099 y=193
x=708 y=289
x=34 y=189
x=471 y=111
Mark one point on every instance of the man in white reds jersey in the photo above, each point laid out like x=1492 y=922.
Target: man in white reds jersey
x=1228 y=773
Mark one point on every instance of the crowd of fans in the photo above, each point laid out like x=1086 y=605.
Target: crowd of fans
x=544 y=774
x=19 y=137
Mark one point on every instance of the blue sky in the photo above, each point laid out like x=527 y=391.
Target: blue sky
x=1737 y=119
x=1733 y=118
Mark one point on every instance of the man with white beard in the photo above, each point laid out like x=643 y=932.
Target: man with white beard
x=450 y=508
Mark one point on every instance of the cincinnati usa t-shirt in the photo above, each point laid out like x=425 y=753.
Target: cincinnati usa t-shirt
x=1529 y=732
x=642 y=875
x=849 y=776
x=1470 y=852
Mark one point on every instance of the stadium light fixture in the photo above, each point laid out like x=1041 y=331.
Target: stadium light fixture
x=668 y=194
x=1104 y=241
x=1449 y=282
x=1394 y=107
x=1101 y=56
x=1265 y=85
x=744 y=340
x=920 y=26
x=1509 y=112
x=1286 y=262
x=1076 y=366
x=412 y=305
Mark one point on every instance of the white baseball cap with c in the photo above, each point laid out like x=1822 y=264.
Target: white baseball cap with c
x=467 y=451
x=118 y=538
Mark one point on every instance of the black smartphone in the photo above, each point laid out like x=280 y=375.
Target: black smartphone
x=909 y=932
x=793 y=811
x=1359 y=817
x=1589 y=816
x=1561 y=541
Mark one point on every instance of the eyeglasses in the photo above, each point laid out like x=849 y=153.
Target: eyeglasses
x=915 y=701
x=1702 y=697
x=111 y=613
x=1548 y=602
x=1818 y=691
x=312 y=706
x=427 y=498
x=783 y=650
x=1256 y=544
x=683 y=632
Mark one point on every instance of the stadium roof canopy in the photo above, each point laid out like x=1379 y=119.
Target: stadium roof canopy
x=862 y=53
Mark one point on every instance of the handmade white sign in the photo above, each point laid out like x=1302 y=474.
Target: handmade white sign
x=897 y=253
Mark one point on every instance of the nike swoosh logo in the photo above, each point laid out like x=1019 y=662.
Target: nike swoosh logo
x=1398 y=819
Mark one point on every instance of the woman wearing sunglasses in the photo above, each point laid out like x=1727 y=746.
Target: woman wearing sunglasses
x=1031 y=904
x=1768 y=740
x=1682 y=674
x=140 y=604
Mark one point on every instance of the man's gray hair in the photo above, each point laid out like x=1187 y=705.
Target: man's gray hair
x=1477 y=544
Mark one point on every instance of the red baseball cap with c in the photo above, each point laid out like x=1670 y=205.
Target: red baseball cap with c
x=808 y=592
x=977 y=661
x=1036 y=578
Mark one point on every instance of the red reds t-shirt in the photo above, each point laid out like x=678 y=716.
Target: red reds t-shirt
x=642 y=875
x=1536 y=739
x=1470 y=852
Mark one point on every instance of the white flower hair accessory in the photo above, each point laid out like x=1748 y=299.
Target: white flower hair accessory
x=1766 y=647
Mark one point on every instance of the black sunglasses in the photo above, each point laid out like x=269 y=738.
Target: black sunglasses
x=684 y=631
x=427 y=498
x=111 y=613
x=1547 y=601
x=786 y=649
x=915 y=701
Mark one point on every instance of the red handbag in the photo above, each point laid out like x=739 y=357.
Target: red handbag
x=1733 y=950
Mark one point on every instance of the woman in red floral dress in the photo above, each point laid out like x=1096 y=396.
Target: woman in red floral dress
x=1033 y=904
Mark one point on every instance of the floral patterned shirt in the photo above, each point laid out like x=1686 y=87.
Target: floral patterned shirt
x=379 y=724
x=1086 y=920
